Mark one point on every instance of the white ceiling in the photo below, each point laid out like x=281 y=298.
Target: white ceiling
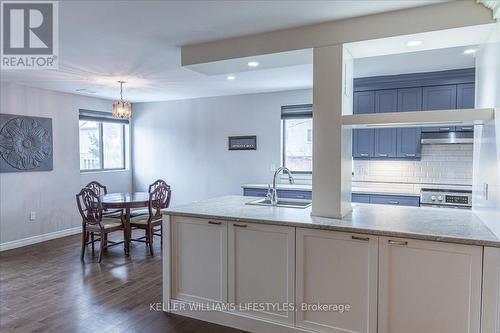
x=414 y=62
x=139 y=41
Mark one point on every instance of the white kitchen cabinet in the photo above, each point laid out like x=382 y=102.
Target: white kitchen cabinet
x=199 y=260
x=337 y=268
x=429 y=287
x=261 y=267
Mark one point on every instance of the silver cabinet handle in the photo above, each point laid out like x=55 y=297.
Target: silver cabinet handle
x=411 y=155
x=363 y=154
x=214 y=222
x=239 y=225
x=394 y=202
x=393 y=242
x=300 y=196
x=366 y=239
x=444 y=128
x=382 y=155
x=467 y=128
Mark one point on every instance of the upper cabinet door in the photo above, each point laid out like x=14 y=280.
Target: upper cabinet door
x=465 y=96
x=385 y=138
x=439 y=98
x=408 y=139
x=363 y=139
x=465 y=100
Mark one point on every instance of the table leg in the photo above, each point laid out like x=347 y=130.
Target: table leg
x=127 y=231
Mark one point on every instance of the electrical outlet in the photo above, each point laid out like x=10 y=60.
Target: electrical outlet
x=485 y=191
x=32 y=216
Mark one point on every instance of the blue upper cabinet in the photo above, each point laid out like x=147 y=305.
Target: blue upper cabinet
x=444 y=90
x=363 y=139
x=439 y=98
x=408 y=139
x=465 y=100
x=385 y=138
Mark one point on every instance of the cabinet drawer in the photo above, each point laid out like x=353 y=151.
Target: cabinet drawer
x=289 y=194
x=395 y=200
x=292 y=194
x=361 y=198
x=254 y=192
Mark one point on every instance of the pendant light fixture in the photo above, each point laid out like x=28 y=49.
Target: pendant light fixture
x=122 y=109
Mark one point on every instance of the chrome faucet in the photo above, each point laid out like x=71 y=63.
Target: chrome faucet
x=272 y=193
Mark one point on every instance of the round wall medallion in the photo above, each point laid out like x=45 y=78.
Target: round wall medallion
x=24 y=143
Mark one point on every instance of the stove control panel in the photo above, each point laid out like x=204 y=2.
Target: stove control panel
x=446 y=198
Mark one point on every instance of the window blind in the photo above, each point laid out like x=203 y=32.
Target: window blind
x=296 y=111
x=104 y=117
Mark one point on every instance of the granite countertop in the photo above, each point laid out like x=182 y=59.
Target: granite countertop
x=435 y=224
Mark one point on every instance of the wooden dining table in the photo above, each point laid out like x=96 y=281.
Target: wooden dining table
x=125 y=201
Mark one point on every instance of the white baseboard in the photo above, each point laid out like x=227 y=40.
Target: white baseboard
x=40 y=238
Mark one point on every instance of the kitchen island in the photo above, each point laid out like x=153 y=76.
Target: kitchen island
x=274 y=269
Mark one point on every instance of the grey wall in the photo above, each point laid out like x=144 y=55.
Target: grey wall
x=185 y=142
x=51 y=194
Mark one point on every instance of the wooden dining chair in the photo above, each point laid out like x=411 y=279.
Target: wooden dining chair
x=101 y=190
x=152 y=187
x=159 y=198
x=94 y=222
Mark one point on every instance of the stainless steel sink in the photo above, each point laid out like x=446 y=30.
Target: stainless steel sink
x=292 y=203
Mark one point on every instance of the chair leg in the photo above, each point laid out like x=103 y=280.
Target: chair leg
x=101 y=250
x=92 y=239
x=150 y=240
x=85 y=237
x=105 y=242
x=161 y=236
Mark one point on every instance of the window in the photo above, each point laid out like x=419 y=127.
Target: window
x=102 y=142
x=297 y=137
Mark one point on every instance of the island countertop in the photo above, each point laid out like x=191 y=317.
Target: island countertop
x=434 y=224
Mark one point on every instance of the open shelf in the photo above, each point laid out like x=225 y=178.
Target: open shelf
x=419 y=118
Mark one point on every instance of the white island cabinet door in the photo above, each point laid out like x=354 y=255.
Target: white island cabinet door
x=429 y=287
x=199 y=260
x=335 y=270
x=261 y=270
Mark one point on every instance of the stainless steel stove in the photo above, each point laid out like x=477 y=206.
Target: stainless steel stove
x=433 y=197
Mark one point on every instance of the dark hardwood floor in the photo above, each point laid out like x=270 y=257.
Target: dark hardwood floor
x=45 y=288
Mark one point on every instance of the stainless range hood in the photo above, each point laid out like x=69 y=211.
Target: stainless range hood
x=440 y=138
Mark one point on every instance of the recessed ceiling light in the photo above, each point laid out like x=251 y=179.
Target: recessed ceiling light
x=231 y=77
x=414 y=43
x=253 y=64
x=470 y=51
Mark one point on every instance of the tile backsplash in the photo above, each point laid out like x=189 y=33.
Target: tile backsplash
x=440 y=164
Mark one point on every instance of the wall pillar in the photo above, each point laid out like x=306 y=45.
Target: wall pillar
x=332 y=161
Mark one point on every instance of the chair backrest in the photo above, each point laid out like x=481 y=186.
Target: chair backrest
x=89 y=205
x=159 y=198
x=157 y=183
x=98 y=188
